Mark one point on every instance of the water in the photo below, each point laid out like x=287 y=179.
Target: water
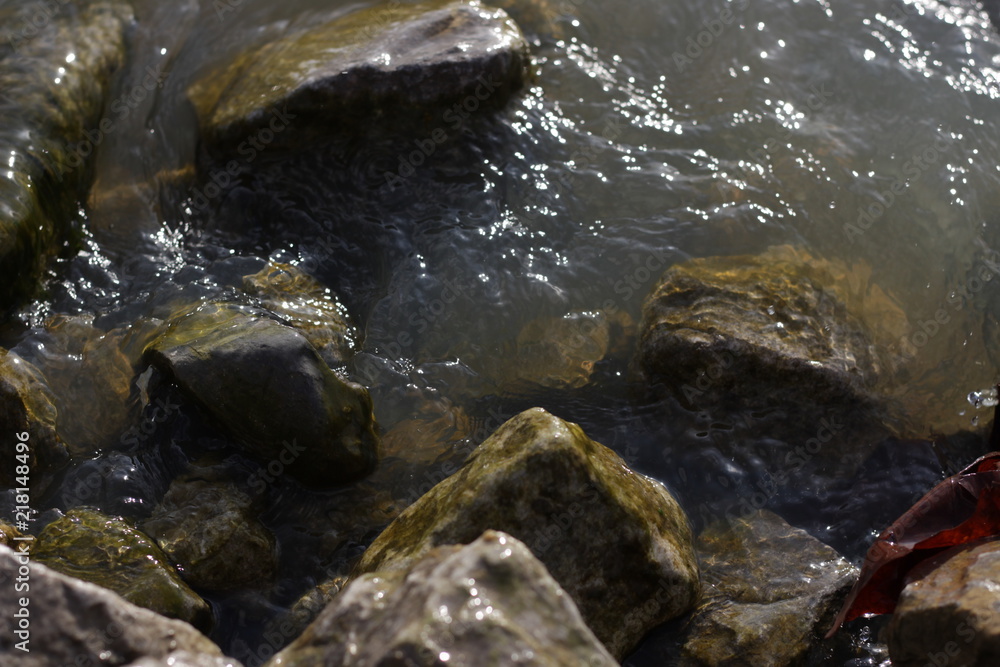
x=860 y=130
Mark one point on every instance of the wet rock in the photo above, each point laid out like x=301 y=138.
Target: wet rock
x=110 y=552
x=617 y=542
x=489 y=602
x=185 y=659
x=27 y=414
x=552 y=352
x=305 y=304
x=781 y=331
x=74 y=622
x=90 y=379
x=7 y=535
x=266 y=384
x=949 y=612
x=769 y=592
x=55 y=79
x=209 y=531
x=397 y=60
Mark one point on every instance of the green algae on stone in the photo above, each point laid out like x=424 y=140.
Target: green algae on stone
x=490 y=602
x=110 y=552
x=266 y=385
x=55 y=80
x=769 y=593
x=27 y=406
x=207 y=529
x=616 y=541
x=305 y=304
x=8 y=535
x=393 y=60
x=74 y=622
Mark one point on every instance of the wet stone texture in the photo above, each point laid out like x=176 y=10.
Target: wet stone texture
x=209 y=531
x=395 y=60
x=305 y=304
x=110 y=552
x=269 y=388
x=45 y=118
x=769 y=592
x=75 y=623
x=949 y=612
x=617 y=542
x=27 y=406
x=490 y=602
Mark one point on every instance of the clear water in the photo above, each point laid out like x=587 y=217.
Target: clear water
x=644 y=137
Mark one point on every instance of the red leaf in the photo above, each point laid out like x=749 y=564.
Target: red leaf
x=961 y=509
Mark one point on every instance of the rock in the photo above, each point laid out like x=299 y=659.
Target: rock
x=207 y=529
x=109 y=552
x=780 y=338
x=769 y=592
x=264 y=383
x=73 y=622
x=305 y=304
x=396 y=60
x=90 y=379
x=8 y=533
x=185 y=659
x=949 y=612
x=28 y=407
x=616 y=541
x=490 y=602
x=55 y=78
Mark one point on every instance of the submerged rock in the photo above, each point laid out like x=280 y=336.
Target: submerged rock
x=209 y=532
x=266 y=384
x=27 y=415
x=769 y=592
x=489 y=602
x=398 y=60
x=949 y=612
x=616 y=541
x=55 y=78
x=110 y=552
x=77 y=623
x=305 y=304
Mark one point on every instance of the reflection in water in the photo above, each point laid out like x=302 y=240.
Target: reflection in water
x=654 y=132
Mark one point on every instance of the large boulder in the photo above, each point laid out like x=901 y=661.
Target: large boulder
x=949 y=612
x=110 y=552
x=396 y=59
x=55 y=76
x=209 y=531
x=265 y=383
x=72 y=622
x=616 y=541
x=770 y=591
x=27 y=415
x=490 y=602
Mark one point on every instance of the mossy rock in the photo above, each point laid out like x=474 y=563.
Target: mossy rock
x=267 y=386
x=397 y=60
x=616 y=541
x=55 y=80
x=490 y=602
x=110 y=552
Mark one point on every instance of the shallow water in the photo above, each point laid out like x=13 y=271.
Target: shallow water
x=654 y=132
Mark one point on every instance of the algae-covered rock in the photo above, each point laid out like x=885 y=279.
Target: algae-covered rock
x=305 y=304
x=396 y=59
x=490 y=602
x=8 y=533
x=55 y=77
x=769 y=592
x=616 y=541
x=266 y=384
x=27 y=415
x=949 y=611
x=110 y=552
x=208 y=530
x=73 y=622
